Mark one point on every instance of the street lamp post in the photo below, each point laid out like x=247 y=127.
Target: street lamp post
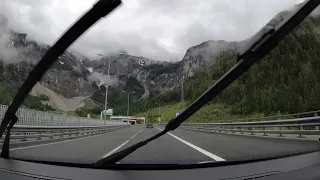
x=182 y=94
x=107 y=88
x=159 y=111
x=128 y=102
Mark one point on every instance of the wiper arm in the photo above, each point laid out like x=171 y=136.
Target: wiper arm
x=258 y=46
x=99 y=10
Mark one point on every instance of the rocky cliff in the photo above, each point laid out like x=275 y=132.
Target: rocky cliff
x=71 y=75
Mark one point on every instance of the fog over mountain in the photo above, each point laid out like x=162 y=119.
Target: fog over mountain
x=160 y=30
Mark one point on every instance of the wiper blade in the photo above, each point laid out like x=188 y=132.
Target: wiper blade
x=258 y=46
x=99 y=10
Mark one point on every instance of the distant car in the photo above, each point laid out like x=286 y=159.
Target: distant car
x=149 y=125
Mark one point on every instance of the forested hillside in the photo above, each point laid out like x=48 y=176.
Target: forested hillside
x=286 y=80
x=8 y=91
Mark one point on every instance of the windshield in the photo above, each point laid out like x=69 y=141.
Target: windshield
x=130 y=89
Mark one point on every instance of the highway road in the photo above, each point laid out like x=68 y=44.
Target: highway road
x=179 y=146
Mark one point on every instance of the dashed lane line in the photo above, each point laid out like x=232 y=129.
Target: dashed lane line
x=207 y=153
x=121 y=145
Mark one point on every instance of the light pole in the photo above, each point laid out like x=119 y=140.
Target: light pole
x=159 y=112
x=107 y=88
x=182 y=94
x=128 y=102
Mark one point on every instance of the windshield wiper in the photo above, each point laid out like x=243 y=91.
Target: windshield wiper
x=99 y=10
x=257 y=47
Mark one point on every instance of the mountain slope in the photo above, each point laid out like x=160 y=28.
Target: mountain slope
x=57 y=101
x=71 y=77
x=286 y=80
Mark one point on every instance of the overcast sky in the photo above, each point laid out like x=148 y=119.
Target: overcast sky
x=156 y=29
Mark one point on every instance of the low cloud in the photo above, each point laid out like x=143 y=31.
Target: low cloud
x=101 y=79
x=8 y=53
x=156 y=29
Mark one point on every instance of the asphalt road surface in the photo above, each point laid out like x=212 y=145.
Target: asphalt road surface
x=179 y=146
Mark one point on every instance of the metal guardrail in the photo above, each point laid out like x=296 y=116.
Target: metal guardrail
x=300 y=126
x=26 y=132
x=39 y=118
x=281 y=116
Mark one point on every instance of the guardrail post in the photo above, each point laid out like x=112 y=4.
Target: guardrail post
x=39 y=137
x=251 y=130
x=264 y=131
x=241 y=130
x=317 y=127
x=51 y=137
x=280 y=133
x=300 y=133
x=24 y=136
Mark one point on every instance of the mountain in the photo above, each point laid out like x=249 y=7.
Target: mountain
x=71 y=76
x=75 y=78
x=203 y=54
x=286 y=80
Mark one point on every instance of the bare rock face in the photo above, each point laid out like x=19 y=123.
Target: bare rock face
x=68 y=76
x=66 y=83
x=203 y=54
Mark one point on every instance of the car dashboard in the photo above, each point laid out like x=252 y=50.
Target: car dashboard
x=304 y=166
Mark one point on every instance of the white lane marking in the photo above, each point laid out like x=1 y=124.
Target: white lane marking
x=116 y=149
x=205 y=162
x=26 y=147
x=136 y=134
x=121 y=145
x=207 y=153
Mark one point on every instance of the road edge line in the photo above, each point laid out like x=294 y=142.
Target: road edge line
x=64 y=141
x=121 y=145
x=205 y=152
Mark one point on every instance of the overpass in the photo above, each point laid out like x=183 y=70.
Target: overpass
x=130 y=119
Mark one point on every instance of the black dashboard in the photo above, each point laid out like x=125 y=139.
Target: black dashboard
x=304 y=166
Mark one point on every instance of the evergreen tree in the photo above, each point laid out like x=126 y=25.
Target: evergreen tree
x=286 y=80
